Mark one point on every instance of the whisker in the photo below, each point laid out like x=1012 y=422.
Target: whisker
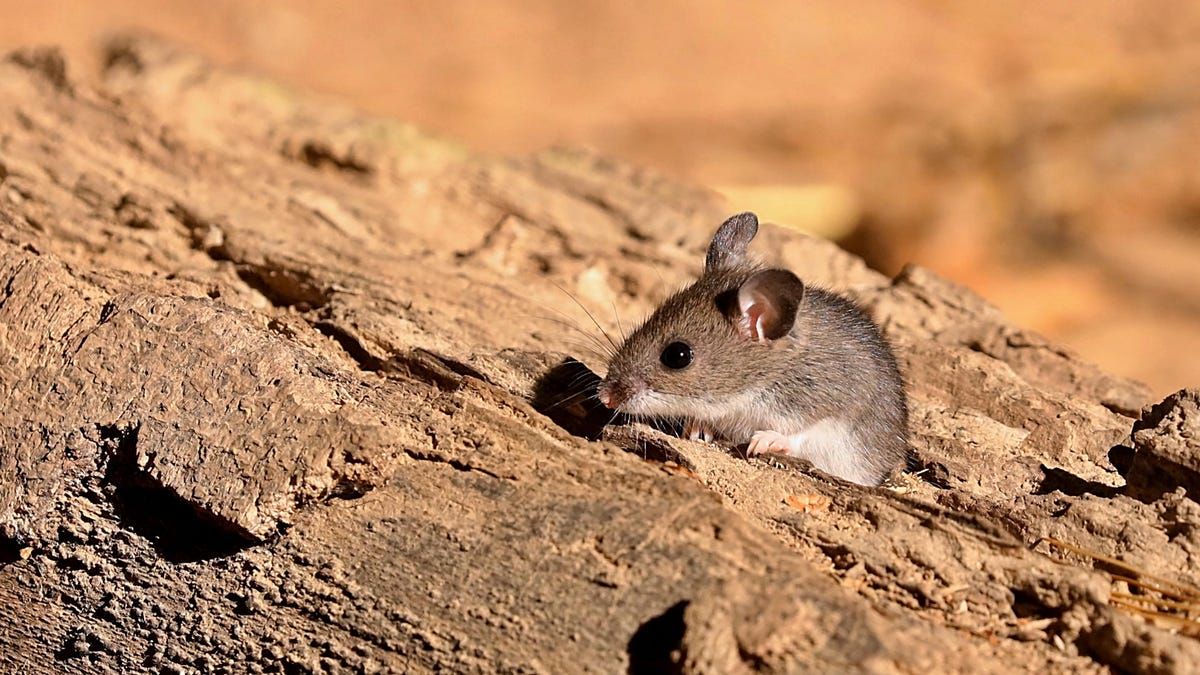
x=611 y=418
x=566 y=323
x=579 y=377
x=585 y=348
x=617 y=316
x=661 y=280
x=569 y=320
x=590 y=316
x=575 y=389
x=573 y=397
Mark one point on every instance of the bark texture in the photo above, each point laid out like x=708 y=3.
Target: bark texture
x=287 y=388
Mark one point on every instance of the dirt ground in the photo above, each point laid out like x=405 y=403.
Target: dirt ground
x=288 y=389
x=1043 y=154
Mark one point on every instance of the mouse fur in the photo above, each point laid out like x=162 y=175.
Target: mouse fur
x=782 y=365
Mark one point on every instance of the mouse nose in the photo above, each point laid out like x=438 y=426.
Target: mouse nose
x=612 y=394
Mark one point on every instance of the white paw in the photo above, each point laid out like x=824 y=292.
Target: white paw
x=697 y=431
x=769 y=442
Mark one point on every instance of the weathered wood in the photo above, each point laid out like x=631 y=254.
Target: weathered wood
x=274 y=378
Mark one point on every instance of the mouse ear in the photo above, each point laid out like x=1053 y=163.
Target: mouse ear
x=767 y=304
x=728 y=246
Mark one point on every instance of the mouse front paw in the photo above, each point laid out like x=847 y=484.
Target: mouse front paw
x=698 y=431
x=769 y=442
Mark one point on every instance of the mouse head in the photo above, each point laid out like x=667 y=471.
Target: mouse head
x=720 y=338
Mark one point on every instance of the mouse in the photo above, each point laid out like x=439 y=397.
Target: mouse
x=752 y=354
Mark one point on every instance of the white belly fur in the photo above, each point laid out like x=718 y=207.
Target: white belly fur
x=831 y=445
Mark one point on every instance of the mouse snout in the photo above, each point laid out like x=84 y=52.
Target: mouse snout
x=613 y=394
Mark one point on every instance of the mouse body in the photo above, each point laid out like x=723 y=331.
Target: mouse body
x=752 y=354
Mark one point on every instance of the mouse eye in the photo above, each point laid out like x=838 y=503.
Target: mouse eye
x=676 y=355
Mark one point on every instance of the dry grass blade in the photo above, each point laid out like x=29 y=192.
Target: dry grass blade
x=1174 y=614
x=1184 y=625
x=1135 y=574
x=1190 y=609
x=1149 y=586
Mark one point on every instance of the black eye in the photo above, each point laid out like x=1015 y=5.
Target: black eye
x=676 y=355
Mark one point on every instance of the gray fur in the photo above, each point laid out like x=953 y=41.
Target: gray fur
x=729 y=244
x=832 y=365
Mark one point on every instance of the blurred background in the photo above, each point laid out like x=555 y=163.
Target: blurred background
x=1045 y=154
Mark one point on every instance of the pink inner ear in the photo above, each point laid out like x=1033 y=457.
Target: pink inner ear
x=754 y=321
x=754 y=315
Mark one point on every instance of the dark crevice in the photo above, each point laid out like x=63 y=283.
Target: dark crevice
x=640 y=441
x=349 y=344
x=1121 y=457
x=348 y=488
x=107 y=312
x=1150 y=477
x=1123 y=410
x=977 y=347
x=839 y=555
x=456 y=464
x=1060 y=480
x=320 y=155
x=198 y=229
x=1027 y=605
x=952 y=510
x=282 y=287
x=442 y=372
x=656 y=646
x=177 y=529
x=11 y=282
x=285 y=288
x=10 y=550
x=933 y=472
x=566 y=394
x=637 y=234
x=463 y=369
x=657 y=451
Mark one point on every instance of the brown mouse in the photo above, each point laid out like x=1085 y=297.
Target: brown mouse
x=754 y=355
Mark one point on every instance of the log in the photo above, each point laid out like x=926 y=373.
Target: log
x=288 y=388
